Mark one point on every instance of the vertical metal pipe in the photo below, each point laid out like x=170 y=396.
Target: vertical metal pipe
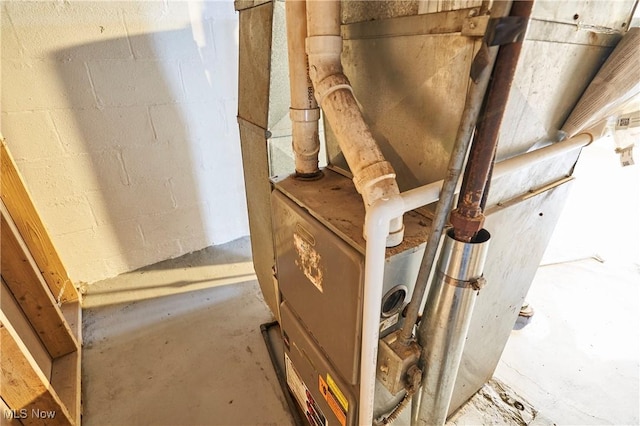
x=473 y=104
x=443 y=330
x=447 y=195
x=468 y=217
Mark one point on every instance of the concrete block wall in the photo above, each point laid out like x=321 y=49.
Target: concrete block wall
x=121 y=117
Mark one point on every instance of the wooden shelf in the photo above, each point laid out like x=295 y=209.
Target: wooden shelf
x=40 y=316
x=18 y=202
x=25 y=281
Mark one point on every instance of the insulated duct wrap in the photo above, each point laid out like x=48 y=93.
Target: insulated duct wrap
x=616 y=83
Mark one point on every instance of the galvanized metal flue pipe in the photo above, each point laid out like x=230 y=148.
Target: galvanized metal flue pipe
x=468 y=218
x=377 y=221
x=444 y=328
x=449 y=306
x=472 y=107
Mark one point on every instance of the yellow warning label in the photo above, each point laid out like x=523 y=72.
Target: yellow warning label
x=338 y=393
x=331 y=400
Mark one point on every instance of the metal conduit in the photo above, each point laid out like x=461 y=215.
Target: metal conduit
x=445 y=324
x=377 y=222
x=467 y=219
x=473 y=105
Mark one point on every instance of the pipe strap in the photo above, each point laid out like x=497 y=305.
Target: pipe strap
x=474 y=284
x=331 y=84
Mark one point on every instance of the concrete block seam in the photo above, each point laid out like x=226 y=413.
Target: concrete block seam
x=77 y=231
x=169 y=185
x=126 y=31
x=210 y=26
x=55 y=130
x=98 y=102
x=94 y=217
x=123 y=168
x=13 y=29
x=153 y=126
x=141 y=233
x=181 y=76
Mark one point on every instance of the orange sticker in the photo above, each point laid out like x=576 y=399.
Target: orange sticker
x=331 y=400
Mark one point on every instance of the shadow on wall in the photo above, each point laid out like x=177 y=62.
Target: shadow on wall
x=161 y=140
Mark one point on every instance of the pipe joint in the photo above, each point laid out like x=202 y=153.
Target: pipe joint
x=304 y=115
x=323 y=45
x=378 y=182
x=372 y=175
x=384 y=215
x=396 y=232
x=323 y=52
x=465 y=227
x=306 y=153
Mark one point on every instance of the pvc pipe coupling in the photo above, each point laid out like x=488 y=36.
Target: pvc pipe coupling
x=304 y=115
x=324 y=62
x=370 y=183
x=306 y=144
x=327 y=46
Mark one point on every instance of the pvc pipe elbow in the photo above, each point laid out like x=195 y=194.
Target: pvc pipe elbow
x=384 y=216
x=377 y=180
x=396 y=232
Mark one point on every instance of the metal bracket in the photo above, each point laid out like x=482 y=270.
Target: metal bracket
x=505 y=30
x=475 y=26
x=498 y=31
x=479 y=283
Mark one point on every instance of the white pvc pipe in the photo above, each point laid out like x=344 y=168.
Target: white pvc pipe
x=510 y=165
x=304 y=111
x=377 y=220
x=373 y=176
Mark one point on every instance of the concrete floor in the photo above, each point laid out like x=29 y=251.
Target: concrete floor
x=579 y=358
x=179 y=342
x=192 y=355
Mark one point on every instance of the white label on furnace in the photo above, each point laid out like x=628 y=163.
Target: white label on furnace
x=295 y=383
x=389 y=322
x=313 y=413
